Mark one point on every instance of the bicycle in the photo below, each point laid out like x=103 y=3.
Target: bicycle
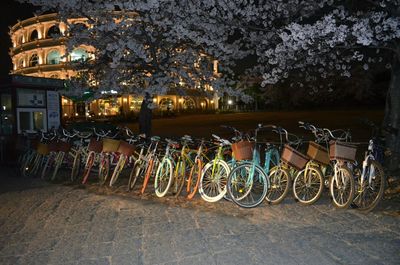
x=247 y=182
x=370 y=178
x=308 y=189
x=214 y=175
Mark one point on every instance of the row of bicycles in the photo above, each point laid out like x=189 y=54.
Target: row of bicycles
x=243 y=169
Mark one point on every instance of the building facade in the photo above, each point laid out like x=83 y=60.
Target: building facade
x=39 y=50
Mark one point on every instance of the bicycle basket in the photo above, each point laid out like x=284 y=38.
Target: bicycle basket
x=95 y=146
x=110 y=145
x=126 y=149
x=43 y=149
x=294 y=158
x=243 y=150
x=318 y=153
x=64 y=146
x=342 y=151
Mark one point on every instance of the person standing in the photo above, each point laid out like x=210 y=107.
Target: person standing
x=145 y=115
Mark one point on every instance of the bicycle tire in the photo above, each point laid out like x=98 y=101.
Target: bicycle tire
x=57 y=165
x=194 y=179
x=136 y=172
x=104 y=169
x=88 y=167
x=118 y=169
x=47 y=166
x=164 y=177
x=298 y=183
x=218 y=181
x=180 y=178
x=76 y=167
x=149 y=170
x=359 y=199
x=239 y=188
x=280 y=182
x=342 y=198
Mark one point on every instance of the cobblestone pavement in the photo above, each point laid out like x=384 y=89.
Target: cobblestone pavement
x=43 y=223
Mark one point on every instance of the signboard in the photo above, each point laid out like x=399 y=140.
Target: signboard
x=53 y=109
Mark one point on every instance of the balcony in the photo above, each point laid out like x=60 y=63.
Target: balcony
x=41 y=68
x=42 y=43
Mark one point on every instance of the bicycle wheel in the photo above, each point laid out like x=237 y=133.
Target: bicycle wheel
x=104 y=169
x=280 y=181
x=88 y=167
x=213 y=180
x=149 y=171
x=58 y=162
x=163 y=178
x=76 y=167
x=117 y=170
x=136 y=172
x=370 y=192
x=342 y=188
x=47 y=166
x=247 y=185
x=179 y=178
x=194 y=179
x=308 y=185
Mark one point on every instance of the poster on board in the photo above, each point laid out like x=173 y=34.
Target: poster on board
x=53 y=109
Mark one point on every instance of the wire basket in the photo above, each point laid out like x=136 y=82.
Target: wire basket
x=243 y=150
x=126 y=149
x=294 y=158
x=318 y=153
x=95 y=146
x=110 y=145
x=342 y=151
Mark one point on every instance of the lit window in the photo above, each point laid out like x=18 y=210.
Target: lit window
x=79 y=55
x=34 y=60
x=53 y=57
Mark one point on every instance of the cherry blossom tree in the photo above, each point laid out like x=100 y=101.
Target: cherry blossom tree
x=311 y=40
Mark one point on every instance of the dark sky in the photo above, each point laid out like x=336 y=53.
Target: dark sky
x=10 y=12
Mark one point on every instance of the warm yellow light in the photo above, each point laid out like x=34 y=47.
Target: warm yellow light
x=65 y=101
x=99 y=113
x=65 y=114
x=212 y=101
x=76 y=114
x=180 y=100
x=154 y=100
x=125 y=99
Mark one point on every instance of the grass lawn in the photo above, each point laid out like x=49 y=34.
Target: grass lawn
x=203 y=125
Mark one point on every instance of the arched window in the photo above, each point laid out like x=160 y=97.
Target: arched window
x=79 y=55
x=53 y=57
x=34 y=60
x=166 y=104
x=34 y=35
x=188 y=104
x=53 y=32
x=21 y=63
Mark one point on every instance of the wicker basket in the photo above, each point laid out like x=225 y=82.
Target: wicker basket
x=53 y=146
x=43 y=149
x=95 y=146
x=110 y=145
x=318 y=153
x=342 y=151
x=243 y=150
x=294 y=158
x=125 y=148
x=64 y=146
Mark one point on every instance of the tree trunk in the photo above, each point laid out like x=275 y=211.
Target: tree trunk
x=392 y=118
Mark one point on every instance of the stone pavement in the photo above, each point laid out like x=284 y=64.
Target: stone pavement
x=43 y=223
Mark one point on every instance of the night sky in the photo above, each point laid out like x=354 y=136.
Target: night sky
x=10 y=12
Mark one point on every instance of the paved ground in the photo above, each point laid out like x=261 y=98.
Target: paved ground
x=43 y=223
